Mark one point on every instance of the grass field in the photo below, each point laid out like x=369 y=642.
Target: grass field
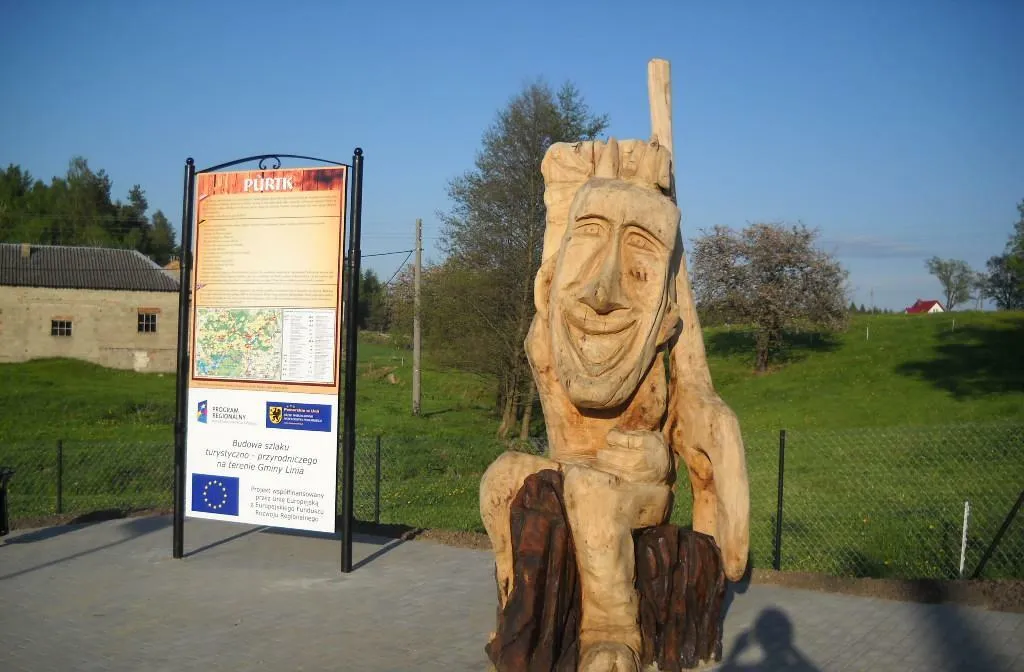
x=891 y=427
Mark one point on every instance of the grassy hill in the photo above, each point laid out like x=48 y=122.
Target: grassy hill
x=886 y=370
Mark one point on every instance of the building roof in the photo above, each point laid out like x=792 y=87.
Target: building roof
x=921 y=306
x=66 y=267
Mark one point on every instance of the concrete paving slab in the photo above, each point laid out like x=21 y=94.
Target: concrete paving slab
x=110 y=597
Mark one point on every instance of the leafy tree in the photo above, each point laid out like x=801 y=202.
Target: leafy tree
x=494 y=234
x=162 y=244
x=1004 y=284
x=77 y=209
x=373 y=302
x=1005 y=278
x=771 y=277
x=956 y=278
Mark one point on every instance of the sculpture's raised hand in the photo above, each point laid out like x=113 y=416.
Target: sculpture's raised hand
x=636 y=456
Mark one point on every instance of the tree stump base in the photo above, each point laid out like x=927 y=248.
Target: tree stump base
x=681 y=582
x=679 y=577
x=539 y=627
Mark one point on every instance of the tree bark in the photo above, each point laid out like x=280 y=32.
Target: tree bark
x=539 y=628
x=681 y=581
x=531 y=397
x=509 y=407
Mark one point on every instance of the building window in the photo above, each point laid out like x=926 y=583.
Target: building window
x=60 y=327
x=147 y=323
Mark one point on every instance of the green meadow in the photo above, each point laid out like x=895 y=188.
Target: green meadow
x=890 y=426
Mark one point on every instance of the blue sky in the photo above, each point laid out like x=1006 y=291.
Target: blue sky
x=893 y=127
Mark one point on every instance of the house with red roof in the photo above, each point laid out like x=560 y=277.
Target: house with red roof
x=920 y=306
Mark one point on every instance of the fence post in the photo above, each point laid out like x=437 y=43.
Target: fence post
x=777 y=559
x=963 y=537
x=376 y=490
x=60 y=476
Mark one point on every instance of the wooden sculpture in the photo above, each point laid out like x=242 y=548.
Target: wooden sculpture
x=589 y=574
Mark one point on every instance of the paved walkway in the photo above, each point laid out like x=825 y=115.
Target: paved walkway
x=109 y=597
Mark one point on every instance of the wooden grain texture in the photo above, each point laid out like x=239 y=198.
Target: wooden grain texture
x=659 y=90
x=681 y=583
x=539 y=627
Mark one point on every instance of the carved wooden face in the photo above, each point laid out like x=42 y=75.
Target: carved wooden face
x=609 y=293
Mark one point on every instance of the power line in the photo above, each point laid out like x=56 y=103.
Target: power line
x=384 y=254
x=400 y=267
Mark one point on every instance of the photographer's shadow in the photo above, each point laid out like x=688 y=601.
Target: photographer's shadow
x=773 y=634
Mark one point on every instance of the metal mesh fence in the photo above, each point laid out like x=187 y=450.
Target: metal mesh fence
x=70 y=478
x=890 y=502
x=880 y=502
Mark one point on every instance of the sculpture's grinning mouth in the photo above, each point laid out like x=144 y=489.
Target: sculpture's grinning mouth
x=586 y=321
x=597 y=343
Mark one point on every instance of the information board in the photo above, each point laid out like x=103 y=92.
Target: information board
x=265 y=326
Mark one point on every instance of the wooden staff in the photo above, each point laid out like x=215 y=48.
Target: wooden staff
x=703 y=430
x=659 y=92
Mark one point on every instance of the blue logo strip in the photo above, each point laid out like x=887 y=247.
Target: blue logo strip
x=307 y=417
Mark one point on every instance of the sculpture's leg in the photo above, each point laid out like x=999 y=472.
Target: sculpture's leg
x=498 y=486
x=603 y=510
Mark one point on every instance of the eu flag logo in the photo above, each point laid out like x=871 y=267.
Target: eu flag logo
x=215 y=494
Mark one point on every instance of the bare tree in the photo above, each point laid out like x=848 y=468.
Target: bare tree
x=771 y=277
x=956 y=278
x=979 y=289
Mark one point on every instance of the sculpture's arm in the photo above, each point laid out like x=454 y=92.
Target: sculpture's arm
x=705 y=434
x=703 y=431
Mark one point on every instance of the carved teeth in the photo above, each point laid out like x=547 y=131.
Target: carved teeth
x=585 y=320
x=596 y=352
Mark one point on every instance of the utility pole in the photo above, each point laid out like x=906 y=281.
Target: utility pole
x=416 y=320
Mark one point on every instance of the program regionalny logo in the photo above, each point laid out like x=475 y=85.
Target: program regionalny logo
x=201 y=413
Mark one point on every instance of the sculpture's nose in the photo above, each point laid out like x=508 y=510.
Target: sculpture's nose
x=604 y=293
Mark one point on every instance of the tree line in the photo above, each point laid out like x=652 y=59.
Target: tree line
x=78 y=209
x=1002 y=281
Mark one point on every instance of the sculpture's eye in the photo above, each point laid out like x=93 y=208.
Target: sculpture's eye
x=641 y=242
x=589 y=229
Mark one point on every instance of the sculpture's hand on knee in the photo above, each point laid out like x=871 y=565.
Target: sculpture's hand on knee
x=635 y=456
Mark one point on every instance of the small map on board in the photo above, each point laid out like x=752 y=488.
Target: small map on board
x=239 y=343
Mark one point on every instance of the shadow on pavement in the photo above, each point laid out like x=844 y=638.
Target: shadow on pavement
x=773 y=635
x=732 y=589
x=225 y=540
x=78 y=523
x=388 y=537
x=131 y=528
x=957 y=640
